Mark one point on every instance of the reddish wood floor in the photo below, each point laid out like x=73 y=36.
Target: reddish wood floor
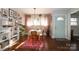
x=50 y=45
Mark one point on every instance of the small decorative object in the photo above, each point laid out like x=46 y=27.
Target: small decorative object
x=20 y=17
x=0 y=46
x=4 y=37
x=5 y=43
x=15 y=28
x=0 y=36
x=10 y=19
x=14 y=14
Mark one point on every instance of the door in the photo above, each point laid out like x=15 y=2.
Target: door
x=60 y=26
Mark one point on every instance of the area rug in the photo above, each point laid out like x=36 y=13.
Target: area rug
x=29 y=43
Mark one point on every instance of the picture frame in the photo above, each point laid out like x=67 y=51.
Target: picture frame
x=15 y=15
x=0 y=12
x=4 y=12
x=11 y=12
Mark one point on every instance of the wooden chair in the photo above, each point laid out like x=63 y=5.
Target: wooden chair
x=34 y=35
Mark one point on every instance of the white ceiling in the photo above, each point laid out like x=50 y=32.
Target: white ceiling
x=37 y=11
x=40 y=10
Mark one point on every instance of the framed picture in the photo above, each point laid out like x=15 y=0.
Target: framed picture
x=15 y=15
x=0 y=12
x=4 y=12
x=11 y=12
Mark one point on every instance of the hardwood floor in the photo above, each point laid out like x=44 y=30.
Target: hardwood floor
x=50 y=45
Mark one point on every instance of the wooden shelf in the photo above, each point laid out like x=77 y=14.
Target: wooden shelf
x=4 y=48
x=4 y=40
x=14 y=36
x=7 y=26
x=13 y=43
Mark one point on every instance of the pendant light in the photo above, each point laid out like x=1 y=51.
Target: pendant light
x=34 y=15
x=40 y=15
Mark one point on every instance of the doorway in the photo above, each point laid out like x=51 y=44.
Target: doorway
x=75 y=30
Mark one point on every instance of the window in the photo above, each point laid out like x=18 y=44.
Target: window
x=36 y=22
x=43 y=21
x=60 y=18
x=73 y=21
x=29 y=22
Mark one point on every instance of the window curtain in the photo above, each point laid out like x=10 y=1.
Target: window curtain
x=38 y=21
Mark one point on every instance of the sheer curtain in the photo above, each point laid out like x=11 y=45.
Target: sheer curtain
x=42 y=21
x=29 y=22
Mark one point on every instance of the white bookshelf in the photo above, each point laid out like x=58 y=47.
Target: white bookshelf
x=9 y=28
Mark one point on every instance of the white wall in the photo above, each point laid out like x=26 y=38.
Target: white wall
x=23 y=17
x=73 y=10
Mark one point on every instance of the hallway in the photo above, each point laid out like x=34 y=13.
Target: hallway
x=39 y=29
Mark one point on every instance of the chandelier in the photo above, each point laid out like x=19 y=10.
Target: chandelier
x=36 y=18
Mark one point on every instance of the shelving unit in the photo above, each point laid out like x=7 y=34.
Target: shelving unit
x=9 y=28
